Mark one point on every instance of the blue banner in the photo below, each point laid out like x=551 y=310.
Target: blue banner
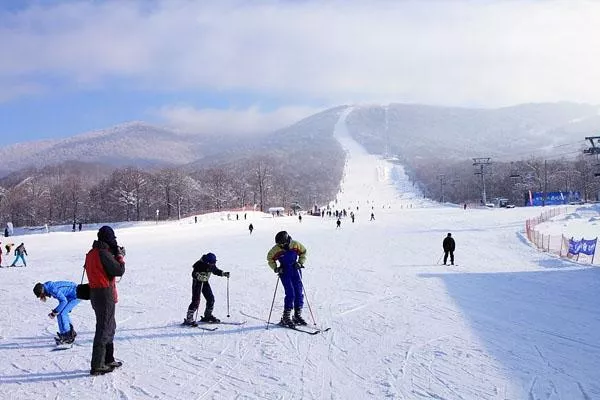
x=551 y=198
x=582 y=246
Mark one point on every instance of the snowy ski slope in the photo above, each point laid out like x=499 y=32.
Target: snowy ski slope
x=508 y=322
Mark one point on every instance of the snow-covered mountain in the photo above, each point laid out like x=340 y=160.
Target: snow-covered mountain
x=406 y=130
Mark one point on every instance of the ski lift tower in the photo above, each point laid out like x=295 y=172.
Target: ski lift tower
x=594 y=150
x=482 y=162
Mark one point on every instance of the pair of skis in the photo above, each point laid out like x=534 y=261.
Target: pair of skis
x=298 y=328
x=204 y=327
x=303 y=329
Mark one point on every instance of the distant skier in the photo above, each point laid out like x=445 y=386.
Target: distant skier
x=80 y=226
x=251 y=228
x=66 y=294
x=299 y=218
x=338 y=223
x=291 y=255
x=372 y=217
x=352 y=217
x=448 y=245
x=465 y=206
x=202 y=269
x=20 y=252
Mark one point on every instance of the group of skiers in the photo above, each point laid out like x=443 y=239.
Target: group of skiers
x=105 y=262
x=20 y=253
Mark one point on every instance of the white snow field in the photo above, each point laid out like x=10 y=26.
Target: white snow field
x=508 y=322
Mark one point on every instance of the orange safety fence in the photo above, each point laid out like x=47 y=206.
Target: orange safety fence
x=554 y=244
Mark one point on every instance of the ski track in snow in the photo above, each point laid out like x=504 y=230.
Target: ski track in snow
x=500 y=325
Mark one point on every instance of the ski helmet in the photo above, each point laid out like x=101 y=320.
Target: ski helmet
x=38 y=290
x=209 y=258
x=282 y=238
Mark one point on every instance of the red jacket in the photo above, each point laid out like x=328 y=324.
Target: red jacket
x=102 y=267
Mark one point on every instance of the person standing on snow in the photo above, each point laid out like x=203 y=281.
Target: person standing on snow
x=66 y=294
x=103 y=263
x=200 y=274
x=20 y=252
x=291 y=256
x=251 y=228
x=448 y=245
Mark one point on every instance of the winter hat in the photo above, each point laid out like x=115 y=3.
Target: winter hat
x=38 y=289
x=106 y=234
x=209 y=258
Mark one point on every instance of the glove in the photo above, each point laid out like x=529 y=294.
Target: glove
x=279 y=270
x=53 y=314
x=226 y=274
x=298 y=265
x=121 y=251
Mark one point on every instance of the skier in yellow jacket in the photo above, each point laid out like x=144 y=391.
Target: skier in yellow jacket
x=291 y=255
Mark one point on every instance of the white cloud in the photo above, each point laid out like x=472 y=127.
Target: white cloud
x=220 y=122
x=439 y=52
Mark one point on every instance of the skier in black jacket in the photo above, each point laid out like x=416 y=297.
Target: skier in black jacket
x=202 y=270
x=448 y=245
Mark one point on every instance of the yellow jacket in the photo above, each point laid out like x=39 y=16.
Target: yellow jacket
x=278 y=250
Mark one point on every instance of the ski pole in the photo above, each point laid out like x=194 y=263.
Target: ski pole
x=228 y=297
x=307 y=302
x=199 y=299
x=439 y=259
x=273 y=302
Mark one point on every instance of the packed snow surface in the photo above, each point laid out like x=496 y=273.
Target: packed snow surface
x=507 y=322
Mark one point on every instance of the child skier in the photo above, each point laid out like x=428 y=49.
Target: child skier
x=291 y=255
x=202 y=270
x=66 y=294
x=8 y=246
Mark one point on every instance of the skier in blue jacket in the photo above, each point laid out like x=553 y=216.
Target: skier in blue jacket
x=66 y=294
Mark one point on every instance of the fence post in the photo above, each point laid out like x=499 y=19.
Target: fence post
x=543 y=242
x=549 y=243
x=562 y=239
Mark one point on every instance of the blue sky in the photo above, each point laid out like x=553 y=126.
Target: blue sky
x=248 y=66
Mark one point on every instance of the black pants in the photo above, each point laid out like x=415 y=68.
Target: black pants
x=451 y=256
x=198 y=286
x=104 y=308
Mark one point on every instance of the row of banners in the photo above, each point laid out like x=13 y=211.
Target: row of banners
x=582 y=246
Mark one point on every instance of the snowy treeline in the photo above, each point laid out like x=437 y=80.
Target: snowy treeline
x=83 y=192
x=512 y=180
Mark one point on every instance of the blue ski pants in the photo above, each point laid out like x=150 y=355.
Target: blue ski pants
x=291 y=278
x=64 y=323
x=22 y=257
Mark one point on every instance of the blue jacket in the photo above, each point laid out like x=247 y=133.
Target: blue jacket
x=63 y=291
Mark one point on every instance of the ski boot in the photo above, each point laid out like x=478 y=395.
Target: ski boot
x=189 y=319
x=297 y=318
x=63 y=338
x=210 y=319
x=110 y=358
x=286 y=320
x=104 y=369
